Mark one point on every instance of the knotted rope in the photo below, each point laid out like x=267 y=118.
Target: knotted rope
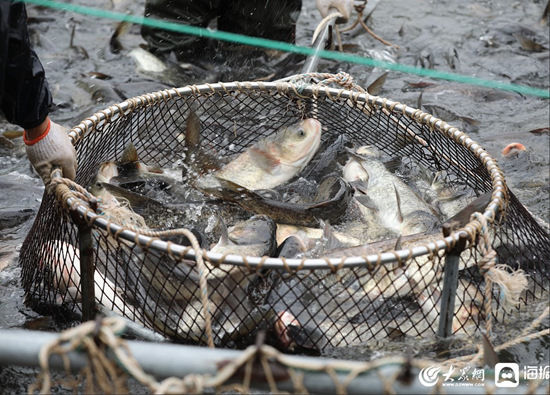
x=511 y=283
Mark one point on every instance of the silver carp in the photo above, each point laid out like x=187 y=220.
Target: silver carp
x=276 y=159
x=397 y=207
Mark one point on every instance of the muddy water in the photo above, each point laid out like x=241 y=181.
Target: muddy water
x=480 y=38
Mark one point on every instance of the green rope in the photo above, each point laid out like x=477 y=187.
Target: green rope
x=286 y=47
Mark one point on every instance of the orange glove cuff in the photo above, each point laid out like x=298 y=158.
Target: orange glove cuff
x=37 y=139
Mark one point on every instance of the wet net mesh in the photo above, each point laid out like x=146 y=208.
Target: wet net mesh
x=337 y=302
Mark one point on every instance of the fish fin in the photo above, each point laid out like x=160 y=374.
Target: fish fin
x=419 y=101
x=463 y=216
x=398 y=245
x=224 y=237
x=192 y=130
x=393 y=164
x=490 y=357
x=366 y=201
x=436 y=178
x=129 y=155
x=328 y=234
x=398 y=199
x=263 y=158
x=376 y=86
x=360 y=186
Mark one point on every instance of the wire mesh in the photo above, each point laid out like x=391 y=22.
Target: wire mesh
x=335 y=302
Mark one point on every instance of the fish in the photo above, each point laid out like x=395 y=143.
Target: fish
x=355 y=172
x=369 y=227
x=114 y=42
x=327 y=160
x=62 y=259
x=295 y=337
x=529 y=44
x=178 y=286
x=275 y=159
x=403 y=213
x=227 y=283
x=291 y=247
x=512 y=149
x=330 y=203
x=446 y=199
x=100 y=91
x=147 y=62
x=458 y=221
x=392 y=280
x=130 y=173
x=310 y=237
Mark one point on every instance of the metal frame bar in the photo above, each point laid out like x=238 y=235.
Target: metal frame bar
x=450 y=284
x=22 y=347
x=87 y=266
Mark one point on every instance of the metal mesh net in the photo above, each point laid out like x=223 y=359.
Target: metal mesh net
x=334 y=302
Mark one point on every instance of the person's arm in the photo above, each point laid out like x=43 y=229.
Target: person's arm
x=25 y=97
x=25 y=94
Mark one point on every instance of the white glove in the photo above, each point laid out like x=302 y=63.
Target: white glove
x=345 y=7
x=52 y=149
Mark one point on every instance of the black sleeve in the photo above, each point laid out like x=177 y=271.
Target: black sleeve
x=24 y=93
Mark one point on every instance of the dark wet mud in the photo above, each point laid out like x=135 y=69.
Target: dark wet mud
x=496 y=40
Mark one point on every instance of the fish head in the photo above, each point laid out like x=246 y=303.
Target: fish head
x=259 y=229
x=296 y=144
x=284 y=321
x=368 y=152
x=254 y=237
x=291 y=247
x=107 y=171
x=355 y=171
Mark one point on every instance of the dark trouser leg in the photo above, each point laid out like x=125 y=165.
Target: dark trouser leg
x=191 y=12
x=273 y=19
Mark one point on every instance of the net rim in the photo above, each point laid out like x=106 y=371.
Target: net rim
x=177 y=251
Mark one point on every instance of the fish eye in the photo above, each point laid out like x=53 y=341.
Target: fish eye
x=301 y=133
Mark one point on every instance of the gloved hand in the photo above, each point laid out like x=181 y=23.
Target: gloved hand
x=345 y=7
x=52 y=148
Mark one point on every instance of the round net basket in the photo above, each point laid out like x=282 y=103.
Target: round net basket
x=156 y=277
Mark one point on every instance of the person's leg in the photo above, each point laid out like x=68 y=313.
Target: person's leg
x=273 y=19
x=191 y=12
